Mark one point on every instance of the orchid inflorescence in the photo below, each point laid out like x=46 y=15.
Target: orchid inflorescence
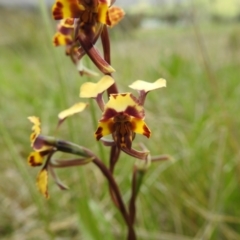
x=82 y=23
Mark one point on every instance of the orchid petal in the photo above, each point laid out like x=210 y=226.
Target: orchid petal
x=92 y=90
x=76 y=108
x=146 y=86
x=102 y=12
x=35 y=128
x=42 y=182
x=115 y=15
x=67 y=9
x=36 y=123
x=35 y=159
x=124 y=102
x=66 y=25
x=60 y=39
x=104 y=128
x=139 y=126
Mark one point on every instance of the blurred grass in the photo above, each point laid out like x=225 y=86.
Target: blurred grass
x=195 y=120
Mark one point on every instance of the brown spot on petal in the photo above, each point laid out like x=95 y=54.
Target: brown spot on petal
x=146 y=130
x=109 y=113
x=56 y=42
x=68 y=41
x=32 y=162
x=98 y=133
x=132 y=111
x=114 y=96
x=32 y=137
x=67 y=9
x=57 y=11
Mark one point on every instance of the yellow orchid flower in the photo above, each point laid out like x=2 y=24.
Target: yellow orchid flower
x=123 y=116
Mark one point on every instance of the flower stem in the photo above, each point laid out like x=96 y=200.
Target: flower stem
x=107 y=55
x=114 y=156
x=115 y=152
x=117 y=194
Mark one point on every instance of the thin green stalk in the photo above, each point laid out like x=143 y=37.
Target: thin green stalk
x=107 y=55
x=95 y=123
x=63 y=89
x=205 y=56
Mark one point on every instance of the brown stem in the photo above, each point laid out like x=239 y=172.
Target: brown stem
x=107 y=55
x=106 y=45
x=117 y=194
x=114 y=186
x=131 y=234
x=114 y=156
x=132 y=205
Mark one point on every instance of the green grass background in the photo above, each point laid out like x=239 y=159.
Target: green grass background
x=195 y=119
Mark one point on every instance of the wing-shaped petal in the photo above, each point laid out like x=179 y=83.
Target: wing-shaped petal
x=91 y=90
x=139 y=126
x=141 y=85
x=76 y=108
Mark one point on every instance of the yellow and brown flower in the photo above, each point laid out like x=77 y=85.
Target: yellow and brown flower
x=82 y=24
x=44 y=148
x=123 y=115
x=36 y=158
